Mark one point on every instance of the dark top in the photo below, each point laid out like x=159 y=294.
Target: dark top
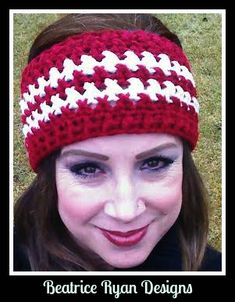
x=164 y=257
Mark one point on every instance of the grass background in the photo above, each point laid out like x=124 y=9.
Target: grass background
x=200 y=35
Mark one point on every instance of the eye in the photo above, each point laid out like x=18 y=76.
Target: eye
x=87 y=170
x=157 y=163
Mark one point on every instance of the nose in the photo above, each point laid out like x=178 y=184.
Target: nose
x=125 y=205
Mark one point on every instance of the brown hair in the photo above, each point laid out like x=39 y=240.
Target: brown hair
x=48 y=243
x=77 y=23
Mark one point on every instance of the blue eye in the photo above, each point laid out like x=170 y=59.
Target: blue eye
x=156 y=163
x=86 y=170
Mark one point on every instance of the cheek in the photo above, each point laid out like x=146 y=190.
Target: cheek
x=166 y=197
x=76 y=202
x=171 y=200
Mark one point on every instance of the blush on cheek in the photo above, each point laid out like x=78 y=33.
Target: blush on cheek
x=168 y=200
x=68 y=208
x=76 y=205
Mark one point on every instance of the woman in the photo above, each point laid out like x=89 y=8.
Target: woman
x=110 y=117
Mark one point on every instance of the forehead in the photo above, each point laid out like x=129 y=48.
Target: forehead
x=125 y=143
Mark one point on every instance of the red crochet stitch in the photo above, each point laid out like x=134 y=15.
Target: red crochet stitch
x=62 y=105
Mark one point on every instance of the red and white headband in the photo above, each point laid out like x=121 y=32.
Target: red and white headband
x=105 y=83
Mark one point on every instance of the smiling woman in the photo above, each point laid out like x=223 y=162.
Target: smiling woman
x=110 y=117
x=120 y=196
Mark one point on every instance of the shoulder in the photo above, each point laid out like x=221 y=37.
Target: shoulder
x=212 y=260
x=21 y=261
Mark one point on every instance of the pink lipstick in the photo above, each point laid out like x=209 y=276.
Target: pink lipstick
x=125 y=238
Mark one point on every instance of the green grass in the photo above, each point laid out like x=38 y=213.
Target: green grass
x=200 y=35
x=26 y=28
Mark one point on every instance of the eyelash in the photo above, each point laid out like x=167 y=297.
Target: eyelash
x=90 y=170
x=164 y=162
x=80 y=170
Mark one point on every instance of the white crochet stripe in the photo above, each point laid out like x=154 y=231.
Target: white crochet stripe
x=112 y=91
x=109 y=63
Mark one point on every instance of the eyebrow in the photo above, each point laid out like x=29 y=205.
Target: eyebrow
x=151 y=152
x=99 y=156
x=84 y=153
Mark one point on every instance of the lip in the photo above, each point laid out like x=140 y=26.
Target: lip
x=124 y=239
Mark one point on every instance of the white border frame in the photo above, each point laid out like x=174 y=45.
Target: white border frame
x=11 y=127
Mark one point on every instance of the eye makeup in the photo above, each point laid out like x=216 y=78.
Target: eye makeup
x=87 y=170
x=89 y=166
x=156 y=164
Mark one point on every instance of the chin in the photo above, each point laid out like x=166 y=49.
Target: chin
x=127 y=262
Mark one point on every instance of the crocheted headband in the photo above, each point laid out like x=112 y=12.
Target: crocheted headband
x=105 y=83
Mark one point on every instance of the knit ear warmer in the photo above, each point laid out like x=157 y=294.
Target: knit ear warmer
x=105 y=83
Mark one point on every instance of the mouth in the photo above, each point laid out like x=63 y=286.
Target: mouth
x=125 y=239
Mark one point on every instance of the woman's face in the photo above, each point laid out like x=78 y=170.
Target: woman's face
x=119 y=195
